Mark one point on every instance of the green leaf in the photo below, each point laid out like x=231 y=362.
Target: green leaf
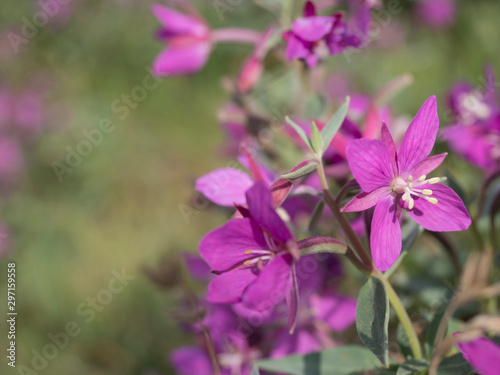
x=334 y=124
x=454 y=365
x=316 y=140
x=312 y=165
x=372 y=318
x=321 y=244
x=302 y=134
x=255 y=371
x=342 y=360
x=413 y=367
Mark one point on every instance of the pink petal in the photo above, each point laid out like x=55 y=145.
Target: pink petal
x=189 y=360
x=483 y=355
x=271 y=286
x=365 y=201
x=427 y=165
x=312 y=29
x=449 y=214
x=389 y=142
x=420 y=136
x=261 y=208
x=296 y=48
x=184 y=59
x=178 y=23
x=370 y=163
x=385 y=239
x=224 y=247
x=229 y=287
x=339 y=312
x=225 y=186
x=309 y=9
x=301 y=342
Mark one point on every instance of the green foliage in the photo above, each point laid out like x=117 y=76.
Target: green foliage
x=372 y=318
x=343 y=360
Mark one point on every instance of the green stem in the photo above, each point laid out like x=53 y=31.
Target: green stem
x=403 y=317
x=367 y=263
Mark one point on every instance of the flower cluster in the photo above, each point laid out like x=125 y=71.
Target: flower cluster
x=339 y=179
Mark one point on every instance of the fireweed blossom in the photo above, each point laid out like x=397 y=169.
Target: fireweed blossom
x=189 y=41
x=235 y=351
x=475 y=131
x=310 y=32
x=481 y=353
x=392 y=180
x=253 y=257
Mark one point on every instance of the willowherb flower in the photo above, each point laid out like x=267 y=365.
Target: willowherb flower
x=393 y=180
x=475 y=131
x=311 y=32
x=234 y=342
x=188 y=42
x=253 y=257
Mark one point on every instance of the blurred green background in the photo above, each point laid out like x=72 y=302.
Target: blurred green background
x=119 y=208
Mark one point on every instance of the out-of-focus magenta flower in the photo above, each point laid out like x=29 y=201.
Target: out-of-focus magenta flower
x=188 y=42
x=482 y=354
x=392 y=180
x=311 y=33
x=233 y=341
x=475 y=131
x=253 y=256
x=438 y=14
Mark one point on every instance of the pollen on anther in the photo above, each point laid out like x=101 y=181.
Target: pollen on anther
x=422 y=178
x=427 y=192
x=434 y=180
x=432 y=200
x=405 y=197
x=247 y=262
x=411 y=203
x=410 y=178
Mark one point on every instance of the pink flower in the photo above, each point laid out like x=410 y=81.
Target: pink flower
x=482 y=354
x=188 y=42
x=253 y=256
x=311 y=32
x=392 y=180
x=437 y=13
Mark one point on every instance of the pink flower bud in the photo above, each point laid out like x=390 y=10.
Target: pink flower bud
x=250 y=74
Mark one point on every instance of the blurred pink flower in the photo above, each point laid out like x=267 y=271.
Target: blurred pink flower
x=438 y=14
x=188 y=42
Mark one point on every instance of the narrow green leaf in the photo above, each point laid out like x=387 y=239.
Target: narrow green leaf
x=342 y=360
x=334 y=124
x=300 y=132
x=316 y=140
x=255 y=371
x=372 y=318
x=306 y=169
x=321 y=244
x=413 y=367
